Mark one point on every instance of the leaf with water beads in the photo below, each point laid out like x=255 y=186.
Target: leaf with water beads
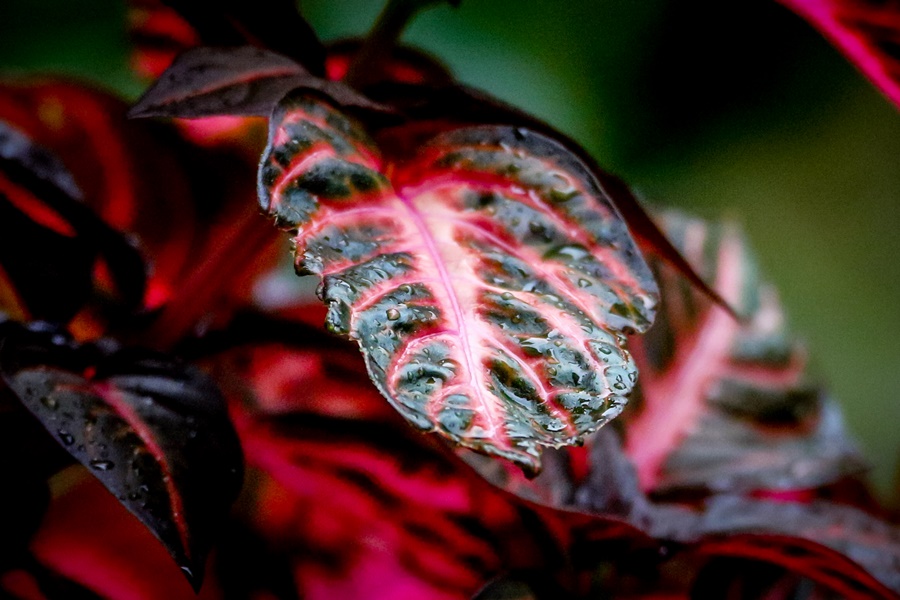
x=153 y=431
x=460 y=274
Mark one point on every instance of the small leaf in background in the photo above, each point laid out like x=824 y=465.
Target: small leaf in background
x=488 y=283
x=867 y=31
x=50 y=241
x=726 y=406
x=243 y=80
x=153 y=431
x=220 y=81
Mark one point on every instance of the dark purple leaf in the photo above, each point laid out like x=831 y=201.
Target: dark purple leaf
x=205 y=81
x=243 y=80
x=153 y=431
x=489 y=283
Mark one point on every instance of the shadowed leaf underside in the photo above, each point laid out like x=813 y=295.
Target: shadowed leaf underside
x=488 y=280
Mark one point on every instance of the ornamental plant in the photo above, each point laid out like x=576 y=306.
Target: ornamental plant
x=528 y=385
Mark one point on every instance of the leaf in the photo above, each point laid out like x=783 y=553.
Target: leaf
x=866 y=31
x=45 y=221
x=725 y=406
x=216 y=81
x=242 y=80
x=488 y=283
x=151 y=430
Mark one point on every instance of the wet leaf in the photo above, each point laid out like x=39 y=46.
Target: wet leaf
x=866 y=31
x=153 y=431
x=488 y=282
x=243 y=80
x=726 y=406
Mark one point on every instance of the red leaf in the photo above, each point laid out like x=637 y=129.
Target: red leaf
x=488 y=284
x=866 y=31
x=242 y=80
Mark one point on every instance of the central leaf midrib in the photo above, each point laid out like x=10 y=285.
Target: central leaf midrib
x=462 y=328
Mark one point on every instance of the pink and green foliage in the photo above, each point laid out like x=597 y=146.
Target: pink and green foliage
x=489 y=281
x=493 y=277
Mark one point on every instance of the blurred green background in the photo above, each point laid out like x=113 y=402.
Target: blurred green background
x=723 y=108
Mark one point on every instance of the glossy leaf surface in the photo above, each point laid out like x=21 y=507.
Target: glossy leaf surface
x=867 y=31
x=723 y=405
x=154 y=432
x=488 y=282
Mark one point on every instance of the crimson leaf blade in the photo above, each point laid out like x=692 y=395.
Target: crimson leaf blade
x=153 y=431
x=867 y=32
x=488 y=282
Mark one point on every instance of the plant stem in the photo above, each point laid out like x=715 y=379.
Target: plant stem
x=368 y=63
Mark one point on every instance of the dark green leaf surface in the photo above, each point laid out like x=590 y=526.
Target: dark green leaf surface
x=489 y=280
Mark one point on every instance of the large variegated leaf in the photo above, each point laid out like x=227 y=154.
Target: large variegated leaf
x=488 y=281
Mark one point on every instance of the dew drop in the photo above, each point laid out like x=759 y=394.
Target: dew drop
x=50 y=402
x=393 y=314
x=102 y=465
x=66 y=437
x=506 y=295
x=516 y=319
x=583 y=283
